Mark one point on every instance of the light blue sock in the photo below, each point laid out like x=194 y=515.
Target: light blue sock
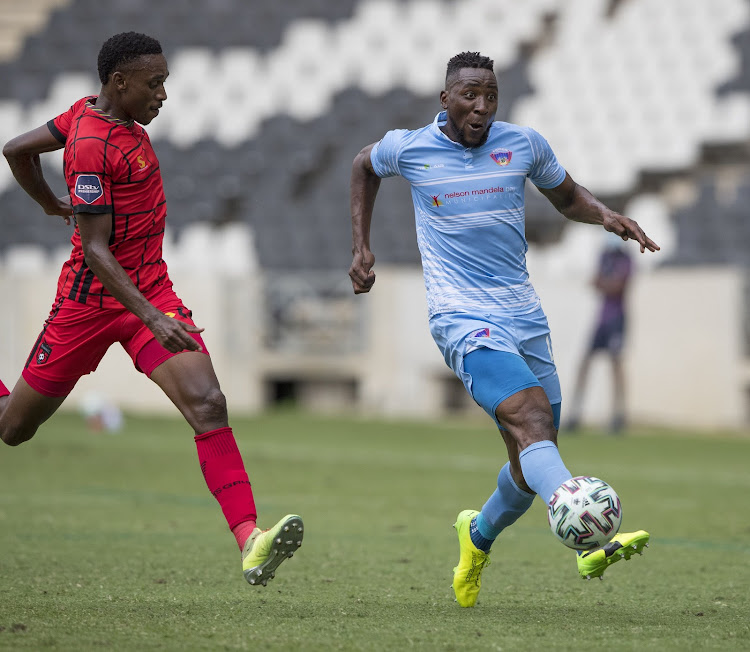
x=504 y=507
x=543 y=469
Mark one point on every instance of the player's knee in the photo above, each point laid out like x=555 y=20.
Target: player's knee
x=539 y=427
x=216 y=403
x=212 y=406
x=531 y=423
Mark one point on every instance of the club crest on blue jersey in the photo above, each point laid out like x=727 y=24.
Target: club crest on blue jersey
x=88 y=188
x=482 y=332
x=501 y=156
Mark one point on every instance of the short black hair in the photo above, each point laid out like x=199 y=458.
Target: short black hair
x=467 y=60
x=122 y=48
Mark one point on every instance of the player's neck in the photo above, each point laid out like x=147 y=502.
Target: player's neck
x=450 y=130
x=109 y=109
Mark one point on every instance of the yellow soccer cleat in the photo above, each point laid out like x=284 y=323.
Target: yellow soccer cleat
x=467 y=576
x=622 y=546
x=264 y=550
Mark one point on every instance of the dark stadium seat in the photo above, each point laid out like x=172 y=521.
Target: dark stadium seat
x=741 y=82
x=296 y=172
x=26 y=88
x=713 y=230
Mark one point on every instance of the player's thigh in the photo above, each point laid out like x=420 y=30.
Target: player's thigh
x=139 y=342
x=459 y=334
x=536 y=349
x=495 y=376
x=73 y=341
x=188 y=375
x=26 y=409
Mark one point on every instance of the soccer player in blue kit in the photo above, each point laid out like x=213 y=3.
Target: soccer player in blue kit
x=467 y=175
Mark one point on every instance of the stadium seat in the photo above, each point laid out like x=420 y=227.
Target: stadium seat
x=619 y=94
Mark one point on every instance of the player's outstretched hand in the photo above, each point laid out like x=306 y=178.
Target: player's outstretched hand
x=61 y=208
x=174 y=335
x=628 y=229
x=361 y=271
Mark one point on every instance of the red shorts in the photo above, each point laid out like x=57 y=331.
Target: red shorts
x=75 y=338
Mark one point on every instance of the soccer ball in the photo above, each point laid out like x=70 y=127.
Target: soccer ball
x=584 y=513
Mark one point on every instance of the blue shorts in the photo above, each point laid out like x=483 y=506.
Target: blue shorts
x=609 y=335
x=526 y=336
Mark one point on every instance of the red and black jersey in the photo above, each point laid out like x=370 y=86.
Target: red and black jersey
x=110 y=167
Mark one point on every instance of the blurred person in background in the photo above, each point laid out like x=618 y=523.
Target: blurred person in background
x=613 y=276
x=101 y=413
x=115 y=287
x=467 y=175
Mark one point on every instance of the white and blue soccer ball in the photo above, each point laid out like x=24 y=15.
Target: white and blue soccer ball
x=584 y=513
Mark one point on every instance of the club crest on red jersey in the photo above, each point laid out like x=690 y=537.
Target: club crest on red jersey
x=501 y=156
x=43 y=353
x=88 y=188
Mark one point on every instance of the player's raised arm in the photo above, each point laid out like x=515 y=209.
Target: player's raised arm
x=578 y=204
x=364 y=188
x=22 y=153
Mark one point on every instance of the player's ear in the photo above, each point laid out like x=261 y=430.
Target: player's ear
x=118 y=80
x=444 y=99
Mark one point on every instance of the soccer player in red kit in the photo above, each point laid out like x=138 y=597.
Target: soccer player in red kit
x=115 y=286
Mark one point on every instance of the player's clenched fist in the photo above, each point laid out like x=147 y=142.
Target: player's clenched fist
x=361 y=272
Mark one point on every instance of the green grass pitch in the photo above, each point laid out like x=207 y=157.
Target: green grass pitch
x=113 y=542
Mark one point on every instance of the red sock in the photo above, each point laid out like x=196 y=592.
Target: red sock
x=242 y=532
x=226 y=479
x=3 y=389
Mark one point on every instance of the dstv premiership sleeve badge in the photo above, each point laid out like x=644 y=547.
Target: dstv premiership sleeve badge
x=88 y=188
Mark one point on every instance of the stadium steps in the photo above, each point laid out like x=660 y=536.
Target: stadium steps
x=282 y=174
x=20 y=19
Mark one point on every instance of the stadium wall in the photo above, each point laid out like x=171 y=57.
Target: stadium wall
x=685 y=359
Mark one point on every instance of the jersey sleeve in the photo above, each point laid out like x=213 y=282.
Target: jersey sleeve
x=384 y=156
x=60 y=126
x=89 y=177
x=546 y=171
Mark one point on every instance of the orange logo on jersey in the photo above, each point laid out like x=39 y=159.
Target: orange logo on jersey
x=141 y=162
x=169 y=314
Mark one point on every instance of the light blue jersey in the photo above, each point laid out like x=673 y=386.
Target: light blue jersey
x=469 y=210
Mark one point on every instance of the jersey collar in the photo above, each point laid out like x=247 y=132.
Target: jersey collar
x=439 y=121
x=107 y=116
